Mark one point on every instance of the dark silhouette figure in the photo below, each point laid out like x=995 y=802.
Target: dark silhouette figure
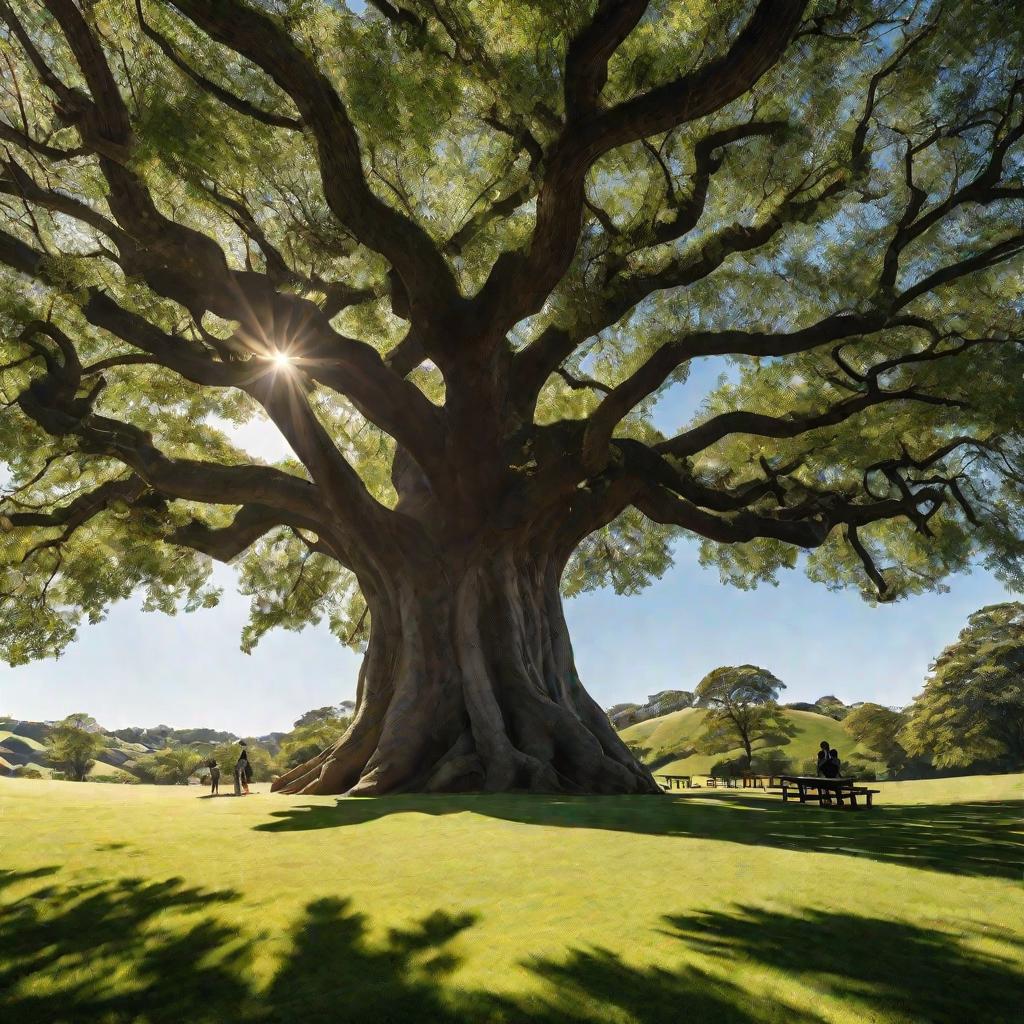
x=214 y=777
x=823 y=753
x=243 y=772
x=831 y=768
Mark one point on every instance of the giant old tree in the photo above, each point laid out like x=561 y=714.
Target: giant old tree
x=457 y=252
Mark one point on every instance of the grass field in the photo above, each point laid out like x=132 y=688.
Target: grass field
x=139 y=903
x=670 y=734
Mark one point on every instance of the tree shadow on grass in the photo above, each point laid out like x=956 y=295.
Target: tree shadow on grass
x=908 y=972
x=133 y=952
x=982 y=839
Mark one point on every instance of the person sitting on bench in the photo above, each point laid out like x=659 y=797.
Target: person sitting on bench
x=831 y=767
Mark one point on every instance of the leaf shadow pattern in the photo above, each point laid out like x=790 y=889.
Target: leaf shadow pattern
x=981 y=839
x=134 y=952
x=908 y=972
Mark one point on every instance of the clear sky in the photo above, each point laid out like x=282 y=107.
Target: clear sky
x=148 y=669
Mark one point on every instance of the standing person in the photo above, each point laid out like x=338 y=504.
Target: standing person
x=823 y=753
x=243 y=772
x=214 y=777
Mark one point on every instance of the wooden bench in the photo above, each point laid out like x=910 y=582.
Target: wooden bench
x=824 y=791
x=752 y=780
x=675 y=781
x=716 y=781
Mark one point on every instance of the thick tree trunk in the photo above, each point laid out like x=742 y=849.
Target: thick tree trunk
x=469 y=684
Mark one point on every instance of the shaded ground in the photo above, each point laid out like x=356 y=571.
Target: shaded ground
x=984 y=838
x=151 y=905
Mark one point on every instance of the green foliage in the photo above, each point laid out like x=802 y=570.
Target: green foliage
x=626 y=555
x=73 y=744
x=972 y=705
x=226 y=754
x=832 y=706
x=313 y=732
x=742 y=709
x=171 y=766
x=878 y=728
x=292 y=587
x=428 y=98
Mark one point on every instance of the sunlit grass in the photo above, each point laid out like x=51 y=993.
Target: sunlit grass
x=150 y=903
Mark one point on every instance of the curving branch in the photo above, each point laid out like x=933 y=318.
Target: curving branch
x=586 y=61
x=520 y=282
x=427 y=278
x=623 y=292
x=225 y=96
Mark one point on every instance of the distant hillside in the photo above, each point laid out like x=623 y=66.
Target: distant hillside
x=23 y=747
x=668 y=743
x=658 y=704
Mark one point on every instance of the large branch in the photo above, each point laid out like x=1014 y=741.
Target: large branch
x=425 y=274
x=54 y=402
x=519 y=284
x=702 y=436
x=534 y=364
x=586 y=61
x=793 y=425
x=223 y=543
x=351 y=367
x=669 y=357
x=225 y=96
x=250 y=523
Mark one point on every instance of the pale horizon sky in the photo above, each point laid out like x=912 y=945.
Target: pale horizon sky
x=187 y=671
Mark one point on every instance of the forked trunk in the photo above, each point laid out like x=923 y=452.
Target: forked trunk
x=469 y=684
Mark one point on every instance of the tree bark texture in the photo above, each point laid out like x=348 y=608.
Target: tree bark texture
x=469 y=684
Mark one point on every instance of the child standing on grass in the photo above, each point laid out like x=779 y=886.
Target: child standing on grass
x=214 y=777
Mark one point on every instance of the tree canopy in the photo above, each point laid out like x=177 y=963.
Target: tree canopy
x=170 y=766
x=73 y=743
x=972 y=705
x=878 y=728
x=313 y=732
x=457 y=253
x=742 y=709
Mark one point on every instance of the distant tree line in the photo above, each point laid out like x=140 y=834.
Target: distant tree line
x=77 y=749
x=970 y=714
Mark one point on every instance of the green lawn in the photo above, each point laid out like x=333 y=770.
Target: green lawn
x=152 y=904
x=667 y=736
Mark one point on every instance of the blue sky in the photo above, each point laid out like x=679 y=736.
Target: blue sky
x=146 y=669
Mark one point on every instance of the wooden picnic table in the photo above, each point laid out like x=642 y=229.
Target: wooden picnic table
x=676 y=781
x=753 y=780
x=726 y=781
x=823 y=790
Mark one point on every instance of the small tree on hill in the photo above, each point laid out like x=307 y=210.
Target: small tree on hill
x=74 y=744
x=742 y=709
x=878 y=728
x=831 y=706
x=972 y=705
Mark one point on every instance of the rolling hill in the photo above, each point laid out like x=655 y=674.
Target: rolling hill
x=668 y=743
x=24 y=747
